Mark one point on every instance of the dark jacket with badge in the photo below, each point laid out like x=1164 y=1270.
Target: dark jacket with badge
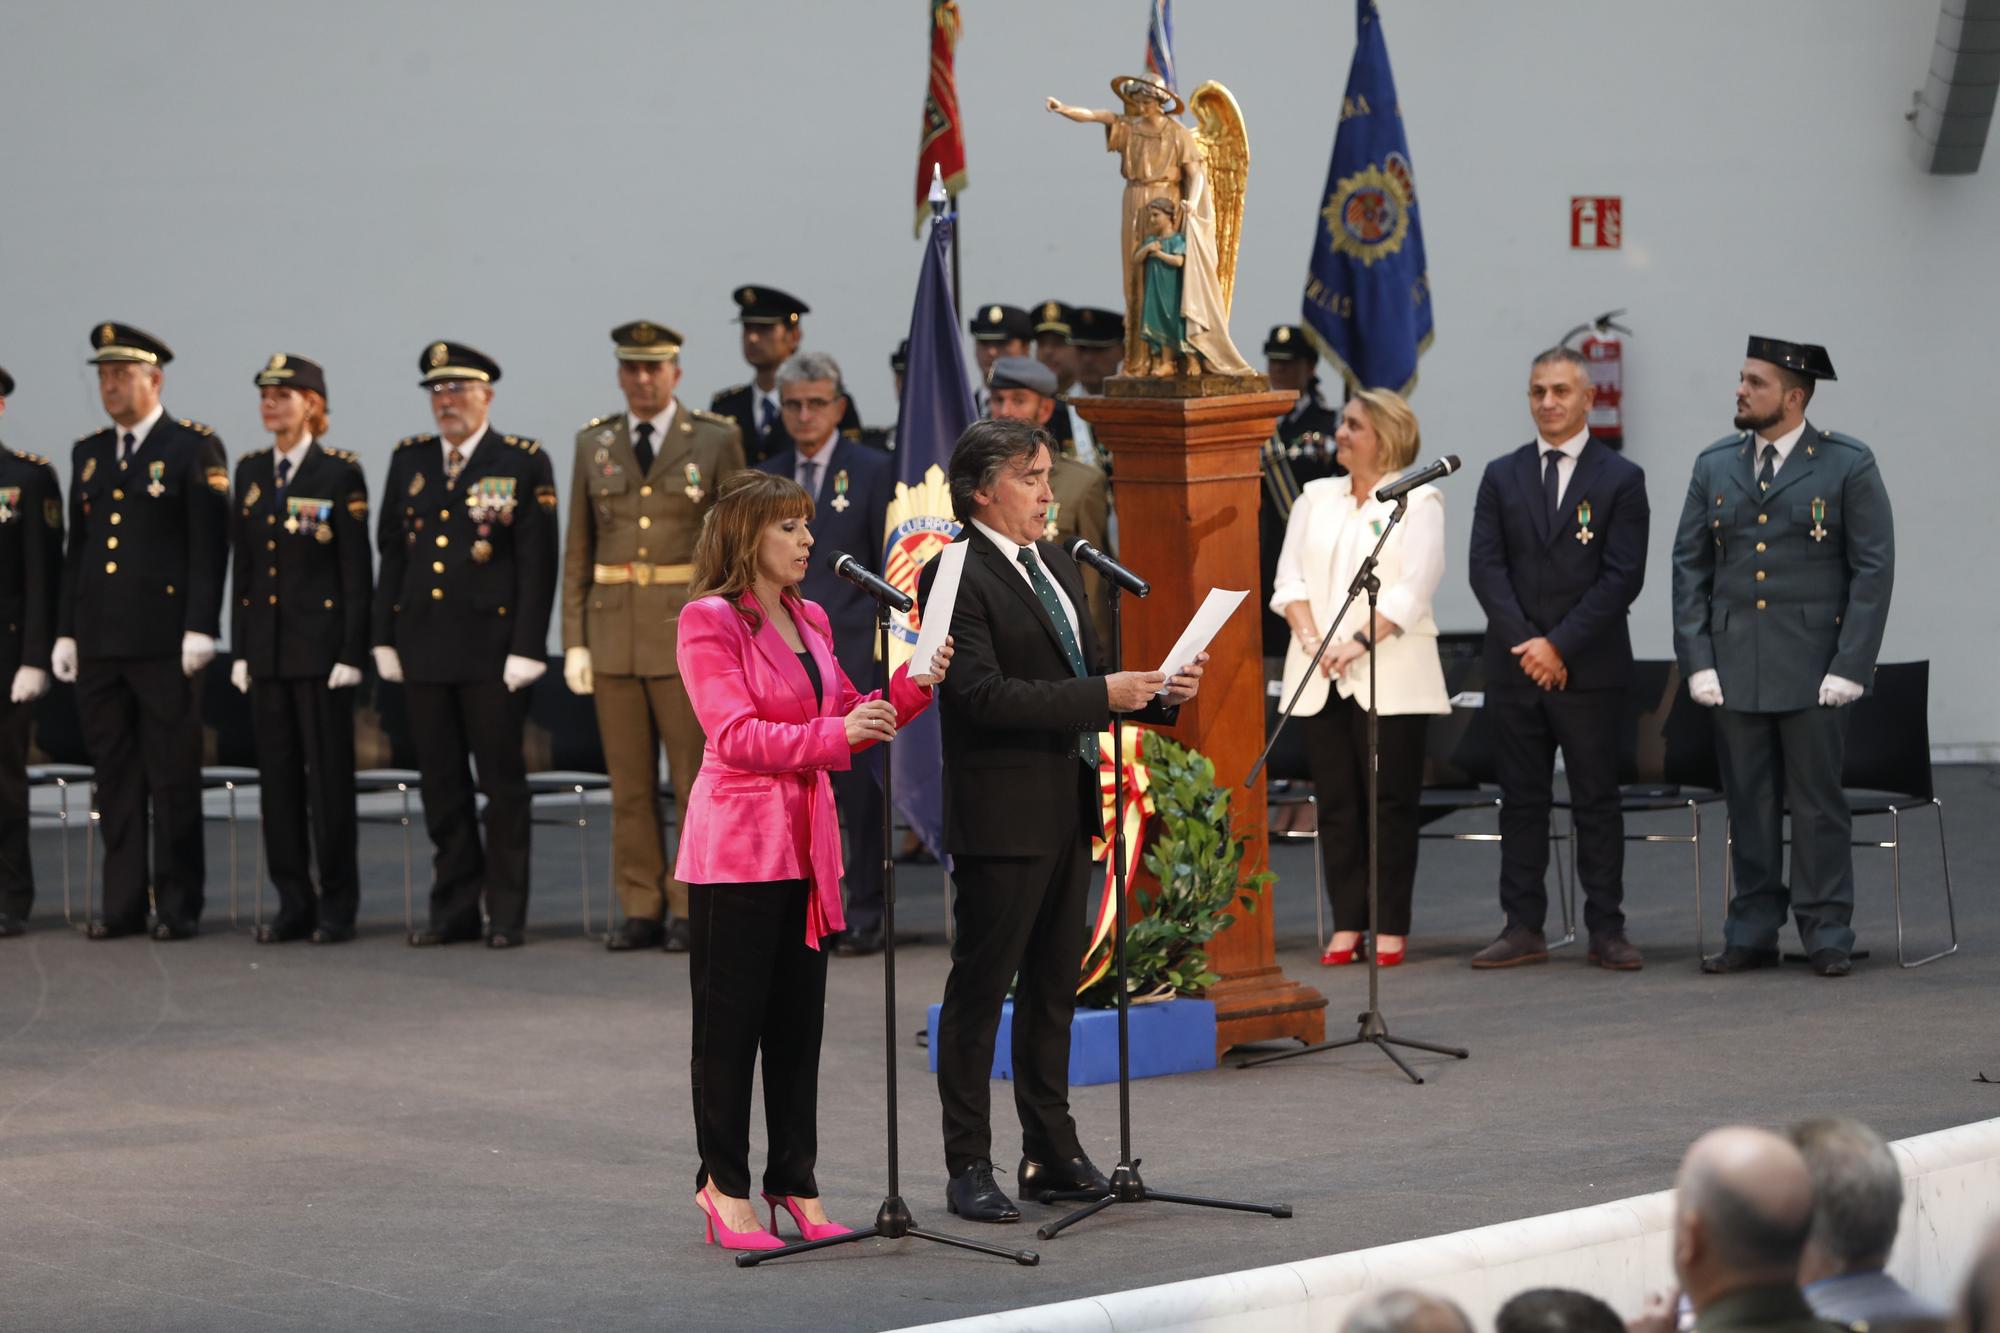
x=148 y=544
x=302 y=565
x=1776 y=590
x=31 y=559
x=851 y=515
x=468 y=573
x=739 y=404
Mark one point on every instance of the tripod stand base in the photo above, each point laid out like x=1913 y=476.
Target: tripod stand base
x=1127 y=1187
x=892 y=1222
x=1372 y=1030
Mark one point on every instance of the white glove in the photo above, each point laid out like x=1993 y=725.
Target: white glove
x=197 y=651
x=239 y=676
x=576 y=670
x=1705 y=688
x=389 y=665
x=62 y=659
x=343 y=677
x=521 y=672
x=1838 y=692
x=30 y=683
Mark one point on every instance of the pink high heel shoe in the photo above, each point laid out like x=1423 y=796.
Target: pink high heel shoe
x=757 y=1239
x=807 y=1230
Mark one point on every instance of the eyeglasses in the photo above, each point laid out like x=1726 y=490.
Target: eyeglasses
x=452 y=388
x=804 y=404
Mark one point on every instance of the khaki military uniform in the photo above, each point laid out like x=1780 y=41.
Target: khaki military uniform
x=627 y=562
x=1083 y=509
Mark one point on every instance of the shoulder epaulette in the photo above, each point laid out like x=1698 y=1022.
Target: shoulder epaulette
x=718 y=418
x=256 y=453
x=1728 y=442
x=25 y=456
x=344 y=455
x=197 y=427
x=724 y=393
x=523 y=442
x=409 y=440
x=86 y=439
x=1835 y=437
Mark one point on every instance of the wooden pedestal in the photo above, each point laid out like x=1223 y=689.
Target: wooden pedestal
x=1188 y=484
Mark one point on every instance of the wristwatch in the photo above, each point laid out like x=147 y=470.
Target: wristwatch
x=1361 y=637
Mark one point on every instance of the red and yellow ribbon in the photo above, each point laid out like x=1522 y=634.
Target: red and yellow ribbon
x=1138 y=807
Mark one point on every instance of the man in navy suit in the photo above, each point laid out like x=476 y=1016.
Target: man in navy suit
x=1558 y=558
x=850 y=484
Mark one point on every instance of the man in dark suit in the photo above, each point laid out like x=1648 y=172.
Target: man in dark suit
x=851 y=486
x=468 y=545
x=300 y=634
x=771 y=333
x=1020 y=716
x=141 y=608
x=1558 y=557
x=31 y=557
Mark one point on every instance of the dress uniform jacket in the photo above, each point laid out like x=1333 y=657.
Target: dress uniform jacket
x=1776 y=590
x=739 y=404
x=451 y=616
x=302 y=601
x=1083 y=509
x=148 y=544
x=31 y=557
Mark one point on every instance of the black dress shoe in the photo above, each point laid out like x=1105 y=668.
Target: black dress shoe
x=858 y=943
x=1830 y=962
x=430 y=937
x=169 y=929
x=636 y=933
x=974 y=1196
x=1738 y=959
x=506 y=939
x=277 y=933
x=1616 y=953
x=11 y=925
x=111 y=930
x=1068 y=1175
x=679 y=935
x=326 y=934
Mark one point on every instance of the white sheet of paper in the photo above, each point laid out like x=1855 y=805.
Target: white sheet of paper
x=937 y=611
x=1208 y=620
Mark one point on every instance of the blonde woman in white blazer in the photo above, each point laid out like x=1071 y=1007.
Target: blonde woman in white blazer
x=1333 y=527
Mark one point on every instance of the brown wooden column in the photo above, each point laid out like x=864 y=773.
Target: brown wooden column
x=1188 y=484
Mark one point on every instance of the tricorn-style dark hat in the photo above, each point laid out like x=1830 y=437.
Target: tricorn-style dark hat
x=112 y=341
x=768 y=305
x=284 y=371
x=644 y=340
x=1808 y=359
x=456 y=361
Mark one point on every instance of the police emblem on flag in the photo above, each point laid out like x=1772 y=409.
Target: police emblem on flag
x=920 y=524
x=1368 y=214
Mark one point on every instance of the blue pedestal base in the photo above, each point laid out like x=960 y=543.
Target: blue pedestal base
x=1171 y=1037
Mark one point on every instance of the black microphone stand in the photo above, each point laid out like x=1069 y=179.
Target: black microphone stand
x=892 y=1219
x=1372 y=1028
x=1126 y=1186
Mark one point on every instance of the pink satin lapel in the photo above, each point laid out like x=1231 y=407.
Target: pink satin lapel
x=782 y=660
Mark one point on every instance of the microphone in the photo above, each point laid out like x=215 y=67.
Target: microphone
x=1400 y=487
x=847 y=567
x=1084 y=553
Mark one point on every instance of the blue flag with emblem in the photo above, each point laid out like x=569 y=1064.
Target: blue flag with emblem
x=935 y=410
x=1368 y=292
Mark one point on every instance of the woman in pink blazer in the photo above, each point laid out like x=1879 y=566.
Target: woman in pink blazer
x=761 y=850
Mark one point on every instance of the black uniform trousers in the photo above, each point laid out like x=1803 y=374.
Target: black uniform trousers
x=756 y=985
x=142 y=724
x=857 y=793
x=1527 y=729
x=1020 y=915
x=305 y=765
x=17 y=867
x=482 y=719
x=1771 y=763
x=1337 y=754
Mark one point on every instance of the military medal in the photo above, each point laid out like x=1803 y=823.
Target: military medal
x=1819 y=519
x=323 y=535
x=417 y=484
x=840 y=500
x=693 y=490
x=89 y=468
x=1049 y=524
x=251 y=496
x=155 y=487
x=291 y=523
x=482 y=551
x=10 y=499
x=1583 y=532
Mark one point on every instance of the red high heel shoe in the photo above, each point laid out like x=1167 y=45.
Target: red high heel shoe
x=755 y=1239
x=807 y=1230
x=1342 y=957
x=1384 y=958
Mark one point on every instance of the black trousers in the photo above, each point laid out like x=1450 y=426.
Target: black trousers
x=142 y=725
x=1016 y=915
x=1773 y=763
x=1337 y=753
x=857 y=794
x=756 y=986
x=484 y=721
x=305 y=765
x=17 y=868
x=1528 y=727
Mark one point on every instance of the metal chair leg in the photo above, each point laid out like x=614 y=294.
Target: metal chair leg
x=230 y=788
x=62 y=796
x=1700 y=932
x=583 y=856
x=1565 y=894
x=409 y=909
x=90 y=858
x=1896 y=883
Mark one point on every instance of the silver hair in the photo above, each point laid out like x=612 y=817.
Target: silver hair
x=803 y=367
x=1857 y=1190
x=1405 y=1311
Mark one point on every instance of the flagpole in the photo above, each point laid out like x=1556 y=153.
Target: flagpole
x=958 y=220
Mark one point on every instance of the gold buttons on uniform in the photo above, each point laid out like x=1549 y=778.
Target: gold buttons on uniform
x=273 y=571
x=645 y=522
x=437 y=566
x=117 y=495
x=329 y=604
x=1760 y=548
x=117 y=519
x=110 y=543
x=1760 y=576
x=274 y=599
x=170 y=590
x=444 y=513
x=503 y=610
x=437 y=594
x=443 y=540
x=645 y=490
x=642 y=551
x=1760 y=604
x=1763 y=518
x=271 y=520
x=271 y=546
x=111 y=566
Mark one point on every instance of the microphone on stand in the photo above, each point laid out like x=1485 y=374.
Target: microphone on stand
x=847 y=567
x=1084 y=553
x=1402 y=486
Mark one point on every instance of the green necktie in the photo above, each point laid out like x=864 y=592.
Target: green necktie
x=1086 y=743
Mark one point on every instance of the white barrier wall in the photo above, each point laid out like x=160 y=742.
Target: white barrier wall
x=1619 y=1251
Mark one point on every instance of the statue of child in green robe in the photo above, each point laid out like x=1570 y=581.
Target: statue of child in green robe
x=1160 y=324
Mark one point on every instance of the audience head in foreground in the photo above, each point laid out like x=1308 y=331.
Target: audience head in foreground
x=1857 y=1203
x=1743 y=1210
x=1402 y=1311
x=1557 y=1310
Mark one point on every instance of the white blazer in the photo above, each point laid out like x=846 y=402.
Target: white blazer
x=1326 y=539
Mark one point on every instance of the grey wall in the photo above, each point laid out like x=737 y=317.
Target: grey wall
x=350 y=181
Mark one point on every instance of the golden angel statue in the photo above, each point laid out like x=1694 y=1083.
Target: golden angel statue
x=1199 y=175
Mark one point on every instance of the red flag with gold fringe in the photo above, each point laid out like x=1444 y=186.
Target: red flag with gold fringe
x=942 y=145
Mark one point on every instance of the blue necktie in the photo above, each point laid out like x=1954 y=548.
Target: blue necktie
x=1045 y=592
x=1552 y=484
x=284 y=472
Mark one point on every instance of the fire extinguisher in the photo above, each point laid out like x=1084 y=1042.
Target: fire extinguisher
x=1604 y=348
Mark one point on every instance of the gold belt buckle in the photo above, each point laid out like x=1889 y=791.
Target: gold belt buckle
x=642 y=575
